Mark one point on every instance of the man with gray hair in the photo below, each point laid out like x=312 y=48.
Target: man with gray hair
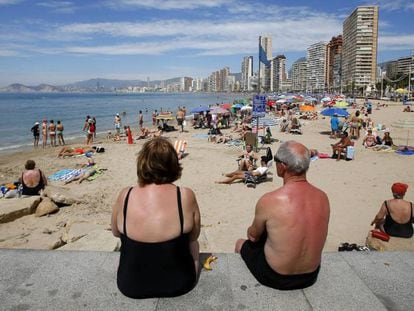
x=288 y=233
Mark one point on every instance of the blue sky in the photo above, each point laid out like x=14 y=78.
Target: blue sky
x=58 y=42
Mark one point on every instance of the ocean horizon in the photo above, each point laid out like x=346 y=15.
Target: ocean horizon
x=21 y=110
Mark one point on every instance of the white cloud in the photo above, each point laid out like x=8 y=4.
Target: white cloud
x=169 y=4
x=393 y=5
x=58 y=6
x=9 y=2
x=396 y=42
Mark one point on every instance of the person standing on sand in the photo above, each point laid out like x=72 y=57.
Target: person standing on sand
x=180 y=118
x=44 y=133
x=117 y=123
x=36 y=134
x=290 y=226
x=59 y=133
x=52 y=133
x=140 y=119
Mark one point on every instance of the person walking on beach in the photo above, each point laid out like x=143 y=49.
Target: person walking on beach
x=59 y=133
x=36 y=133
x=117 y=123
x=154 y=118
x=180 y=118
x=290 y=226
x=44 y=133
x=140 y=119
x=52 y=133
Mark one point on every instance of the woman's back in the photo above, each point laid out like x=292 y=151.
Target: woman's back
x=399 y=217
x=155 y=256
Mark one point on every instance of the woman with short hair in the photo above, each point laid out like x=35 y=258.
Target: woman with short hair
x=159 y=224
x=33 y=180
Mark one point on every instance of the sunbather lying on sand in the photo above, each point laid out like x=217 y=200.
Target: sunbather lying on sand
x=85 y=174
x=70 y=151
x=242 y=175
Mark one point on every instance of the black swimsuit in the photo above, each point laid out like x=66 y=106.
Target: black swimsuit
x=255 y=259
x=156 y=269
x=33 y=190
x=396 y=229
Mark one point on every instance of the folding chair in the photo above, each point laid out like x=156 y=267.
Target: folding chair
x=179 y=146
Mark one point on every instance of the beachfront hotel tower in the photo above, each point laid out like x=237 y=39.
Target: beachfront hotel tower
x=265 y=42
x=247 y=74
x=278 y=72
x=360 y=42
x=316 y=67
x=334 y=65
x=298 y=75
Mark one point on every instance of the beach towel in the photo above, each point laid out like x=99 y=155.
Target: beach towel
x=179 y=146
x=98 y=172
x=200 y=135
x=65 y=174
x=408 y=152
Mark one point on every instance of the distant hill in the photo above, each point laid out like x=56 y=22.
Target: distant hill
x=20 y=88
x=91 y=85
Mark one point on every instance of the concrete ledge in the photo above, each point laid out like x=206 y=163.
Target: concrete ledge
x=76 y=280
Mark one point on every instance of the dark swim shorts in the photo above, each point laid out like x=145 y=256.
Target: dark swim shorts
x=254 y=257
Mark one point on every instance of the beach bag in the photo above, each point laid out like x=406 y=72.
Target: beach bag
x=380 y=235
x=350 y=152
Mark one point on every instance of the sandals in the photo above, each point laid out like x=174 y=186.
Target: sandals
x=346 y=247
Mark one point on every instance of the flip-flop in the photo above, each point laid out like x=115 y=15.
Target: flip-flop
x=343 y=247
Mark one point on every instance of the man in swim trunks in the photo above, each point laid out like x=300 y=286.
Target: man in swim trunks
x=52 y=133
x=290 y=226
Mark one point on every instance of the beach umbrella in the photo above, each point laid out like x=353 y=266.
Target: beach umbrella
x=168 y=116
x=200 y=109
x=401 y=91
x=329 y=112
x=246 y=108
x=305 y=108
x=237 y=106
x=226 y=106
x=405 y=124
x=218 y=110
x=326 y=99
x=341 y=104
x=281 y=101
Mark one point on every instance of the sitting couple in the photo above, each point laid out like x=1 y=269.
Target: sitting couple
x=160 y=257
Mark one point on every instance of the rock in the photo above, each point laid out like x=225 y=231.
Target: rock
x=12 y=209
x=35 y=240
x=46 y=207
x=78 y=230
x=60 y=195
x=96 y=240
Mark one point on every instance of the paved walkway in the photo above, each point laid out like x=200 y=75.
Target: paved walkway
x=75 y=280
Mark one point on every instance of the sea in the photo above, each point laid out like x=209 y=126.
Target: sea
x=19 y=111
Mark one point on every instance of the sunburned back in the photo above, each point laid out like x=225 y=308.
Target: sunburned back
x=153 y=214
x=400 y=210
x=297 y=228
x=31 y=178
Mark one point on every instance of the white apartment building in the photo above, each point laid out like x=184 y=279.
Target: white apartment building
x=278 y=67
x=298 y=75
x=360 y=42
x=246 y=73
x=265 y=71
x=316 y=67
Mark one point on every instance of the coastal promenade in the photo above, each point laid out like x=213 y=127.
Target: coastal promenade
x=75 y=280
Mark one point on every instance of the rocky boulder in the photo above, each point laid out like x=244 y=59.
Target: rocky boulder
x=60 y=196
x=46 y=207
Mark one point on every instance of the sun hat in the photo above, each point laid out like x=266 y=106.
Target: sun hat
x=36 y=123
x=399 y=188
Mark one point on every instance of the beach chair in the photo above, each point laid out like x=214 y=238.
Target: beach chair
x=179 y=146
x=253 y=181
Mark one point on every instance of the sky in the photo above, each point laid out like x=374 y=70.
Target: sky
x=59 y=42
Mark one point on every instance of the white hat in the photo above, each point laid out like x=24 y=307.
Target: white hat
x=36 y=123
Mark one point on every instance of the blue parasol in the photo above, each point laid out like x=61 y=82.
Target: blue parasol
x=200 y=109
x=329 y=112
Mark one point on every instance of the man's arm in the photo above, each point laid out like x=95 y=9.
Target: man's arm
x=259 y=223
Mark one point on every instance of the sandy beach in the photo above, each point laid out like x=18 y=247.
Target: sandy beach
x=356 y=189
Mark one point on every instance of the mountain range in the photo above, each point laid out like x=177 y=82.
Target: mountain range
x=91 y=85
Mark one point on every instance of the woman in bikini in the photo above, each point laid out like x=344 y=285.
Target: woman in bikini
x=52 y=133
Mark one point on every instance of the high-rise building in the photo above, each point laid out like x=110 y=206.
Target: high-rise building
x=278 y=67
x=218 y=80
x=298 y=75
x=334 y=63
x=360 y=42
x=265 y=71
x=316 y=67
x=246 y=73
